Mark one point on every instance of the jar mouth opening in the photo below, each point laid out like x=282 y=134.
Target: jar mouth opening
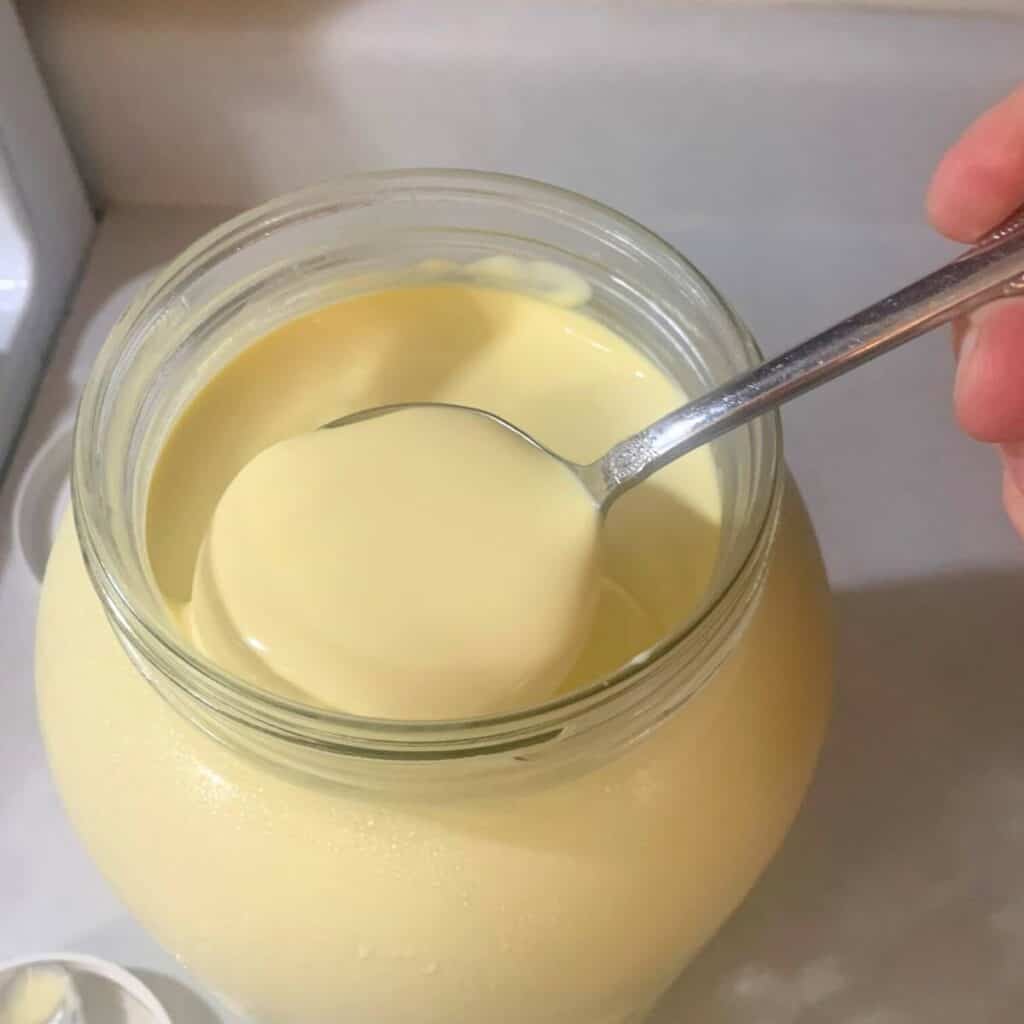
x=115 y=554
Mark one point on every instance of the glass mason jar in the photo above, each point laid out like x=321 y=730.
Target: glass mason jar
x=557 y=865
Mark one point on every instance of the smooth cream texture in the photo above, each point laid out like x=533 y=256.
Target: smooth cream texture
x=428 y=563
x=562 y=377
x=575 y=900
x=572 y=902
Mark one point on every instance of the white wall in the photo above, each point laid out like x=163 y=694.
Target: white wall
x=653 y=105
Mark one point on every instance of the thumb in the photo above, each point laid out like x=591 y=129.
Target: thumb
x=989 y=392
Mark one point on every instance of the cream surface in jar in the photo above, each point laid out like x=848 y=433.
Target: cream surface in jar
x=424 y=563
x=555 y=866
x=438 y=567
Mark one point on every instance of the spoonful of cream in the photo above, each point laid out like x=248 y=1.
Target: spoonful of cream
x=435 y=561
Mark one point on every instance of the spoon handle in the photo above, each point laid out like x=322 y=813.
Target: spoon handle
x=992 y=269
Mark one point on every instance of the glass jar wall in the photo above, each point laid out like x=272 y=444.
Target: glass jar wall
x=559 y=864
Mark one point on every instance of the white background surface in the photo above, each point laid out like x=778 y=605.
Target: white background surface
x=899 y=896
x=654 y=106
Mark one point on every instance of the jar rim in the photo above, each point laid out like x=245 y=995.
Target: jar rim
x=154 y=647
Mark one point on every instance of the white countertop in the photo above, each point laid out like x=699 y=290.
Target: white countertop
x=899 y=896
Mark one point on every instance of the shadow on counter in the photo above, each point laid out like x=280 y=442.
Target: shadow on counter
x=898 y=896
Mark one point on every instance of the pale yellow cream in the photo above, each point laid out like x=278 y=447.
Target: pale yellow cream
x=377 y=616
x=34 y=996
x=573 y=899
x=428 y=563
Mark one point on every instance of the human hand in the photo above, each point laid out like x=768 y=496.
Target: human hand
x=979 y=183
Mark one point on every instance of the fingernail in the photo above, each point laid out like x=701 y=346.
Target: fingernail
x=969 y=340
x=960 y=327
x=965 y=354
x=1013 y=461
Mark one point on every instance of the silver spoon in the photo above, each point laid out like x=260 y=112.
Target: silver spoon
x=992 y=269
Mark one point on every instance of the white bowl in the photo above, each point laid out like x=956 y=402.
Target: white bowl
x=108 y=993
